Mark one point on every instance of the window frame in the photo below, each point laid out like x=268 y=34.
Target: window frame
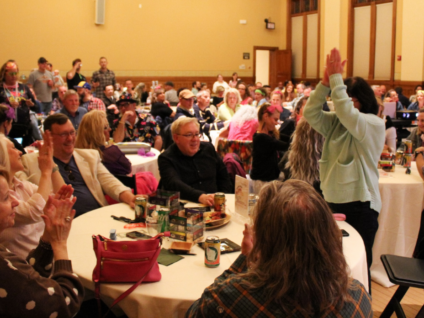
x=304 y=14
x=351 y=19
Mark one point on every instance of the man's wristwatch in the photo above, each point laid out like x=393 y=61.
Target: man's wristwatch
x=56 y=168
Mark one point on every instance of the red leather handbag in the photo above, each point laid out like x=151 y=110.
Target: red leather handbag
x=126 y=262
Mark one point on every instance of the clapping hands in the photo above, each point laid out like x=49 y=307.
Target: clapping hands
x=334 y=65
x=58 y=216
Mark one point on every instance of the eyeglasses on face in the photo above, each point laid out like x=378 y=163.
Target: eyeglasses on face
x=191 y=136
x=69 y=172
x=12 y=73
x=66 y=135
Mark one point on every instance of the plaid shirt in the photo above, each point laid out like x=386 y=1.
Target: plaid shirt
x=95 y=103
x=227 y=297
x=145 y=129
x=105 y=78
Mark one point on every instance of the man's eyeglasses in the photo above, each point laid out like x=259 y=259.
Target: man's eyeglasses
x=66 y=135
x=191 y=136
x=69 y=172
x=12 y=73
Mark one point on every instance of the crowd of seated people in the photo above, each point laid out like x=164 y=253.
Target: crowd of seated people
x=78 y=158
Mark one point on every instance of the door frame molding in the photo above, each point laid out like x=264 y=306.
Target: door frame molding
x=264 y=48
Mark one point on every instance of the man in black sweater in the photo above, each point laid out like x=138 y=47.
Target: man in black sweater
x=192 y=167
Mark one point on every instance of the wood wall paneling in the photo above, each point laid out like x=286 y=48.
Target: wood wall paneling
x=179 y=82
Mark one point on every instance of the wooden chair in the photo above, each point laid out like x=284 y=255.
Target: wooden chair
x=405 y=272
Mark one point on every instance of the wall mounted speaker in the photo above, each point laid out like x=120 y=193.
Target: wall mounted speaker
x=100 y=12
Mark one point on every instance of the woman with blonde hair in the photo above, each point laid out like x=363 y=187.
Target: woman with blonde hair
x=29 y=226
x=40 y=283
x=266 y=147
x=231 y=104
x=94 y=133
x=140 y=94
x=291 y=263
x=301 y=161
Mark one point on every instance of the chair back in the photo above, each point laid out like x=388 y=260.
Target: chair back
x=243 y=148
x=167 y=137
x=129 y=182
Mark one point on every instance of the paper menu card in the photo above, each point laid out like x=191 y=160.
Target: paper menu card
x=242 y=196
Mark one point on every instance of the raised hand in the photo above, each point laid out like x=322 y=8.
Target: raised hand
x=334 y=64
x=247 y=243
x=45 y=157
x=65 y=192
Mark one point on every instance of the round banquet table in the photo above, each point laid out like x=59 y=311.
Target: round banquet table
x=184 y=281
x=399 y=219
x=140 y=163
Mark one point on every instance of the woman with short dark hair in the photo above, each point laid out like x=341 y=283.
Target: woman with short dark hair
x=291 y=263
x=354 y=139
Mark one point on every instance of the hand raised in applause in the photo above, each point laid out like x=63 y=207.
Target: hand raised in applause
x=45 y=157
x=334 y=65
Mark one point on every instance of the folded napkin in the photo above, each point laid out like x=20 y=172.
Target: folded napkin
x=142 y=152
x=167 y=258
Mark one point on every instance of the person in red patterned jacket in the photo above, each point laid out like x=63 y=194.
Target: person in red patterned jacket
x=291 y=264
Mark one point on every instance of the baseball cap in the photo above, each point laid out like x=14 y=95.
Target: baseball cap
x=186 y=94
x=83 y=84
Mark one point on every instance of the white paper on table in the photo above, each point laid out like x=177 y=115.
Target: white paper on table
x=242 y=196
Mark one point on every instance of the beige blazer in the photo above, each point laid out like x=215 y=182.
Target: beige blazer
x=97 y=178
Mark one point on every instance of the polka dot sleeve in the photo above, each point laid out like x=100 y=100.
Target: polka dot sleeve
x=26 y=293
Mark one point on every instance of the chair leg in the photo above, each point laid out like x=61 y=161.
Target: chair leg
x=394 y=304
x=420 y=313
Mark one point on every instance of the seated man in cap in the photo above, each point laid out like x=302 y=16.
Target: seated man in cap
x=71 y=108
x=133 y=126
x=171 y=94
x=200 y=111
x=88 y=101
x=192 y=167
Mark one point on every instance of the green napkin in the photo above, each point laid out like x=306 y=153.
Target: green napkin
x=167 y=258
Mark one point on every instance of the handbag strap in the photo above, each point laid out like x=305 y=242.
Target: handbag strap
x=129 y=290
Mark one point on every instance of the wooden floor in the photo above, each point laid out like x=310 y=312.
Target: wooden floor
x=411 y=302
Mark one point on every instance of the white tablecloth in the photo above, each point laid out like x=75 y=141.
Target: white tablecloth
x=399 y=219
x=140 y=163
x=182 y=282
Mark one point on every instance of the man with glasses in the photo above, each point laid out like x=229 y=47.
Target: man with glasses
x=133 y=126
x=192 y=167
x=82 y=168
x=71 y=108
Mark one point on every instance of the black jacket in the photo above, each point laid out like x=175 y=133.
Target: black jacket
x=193 y=176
